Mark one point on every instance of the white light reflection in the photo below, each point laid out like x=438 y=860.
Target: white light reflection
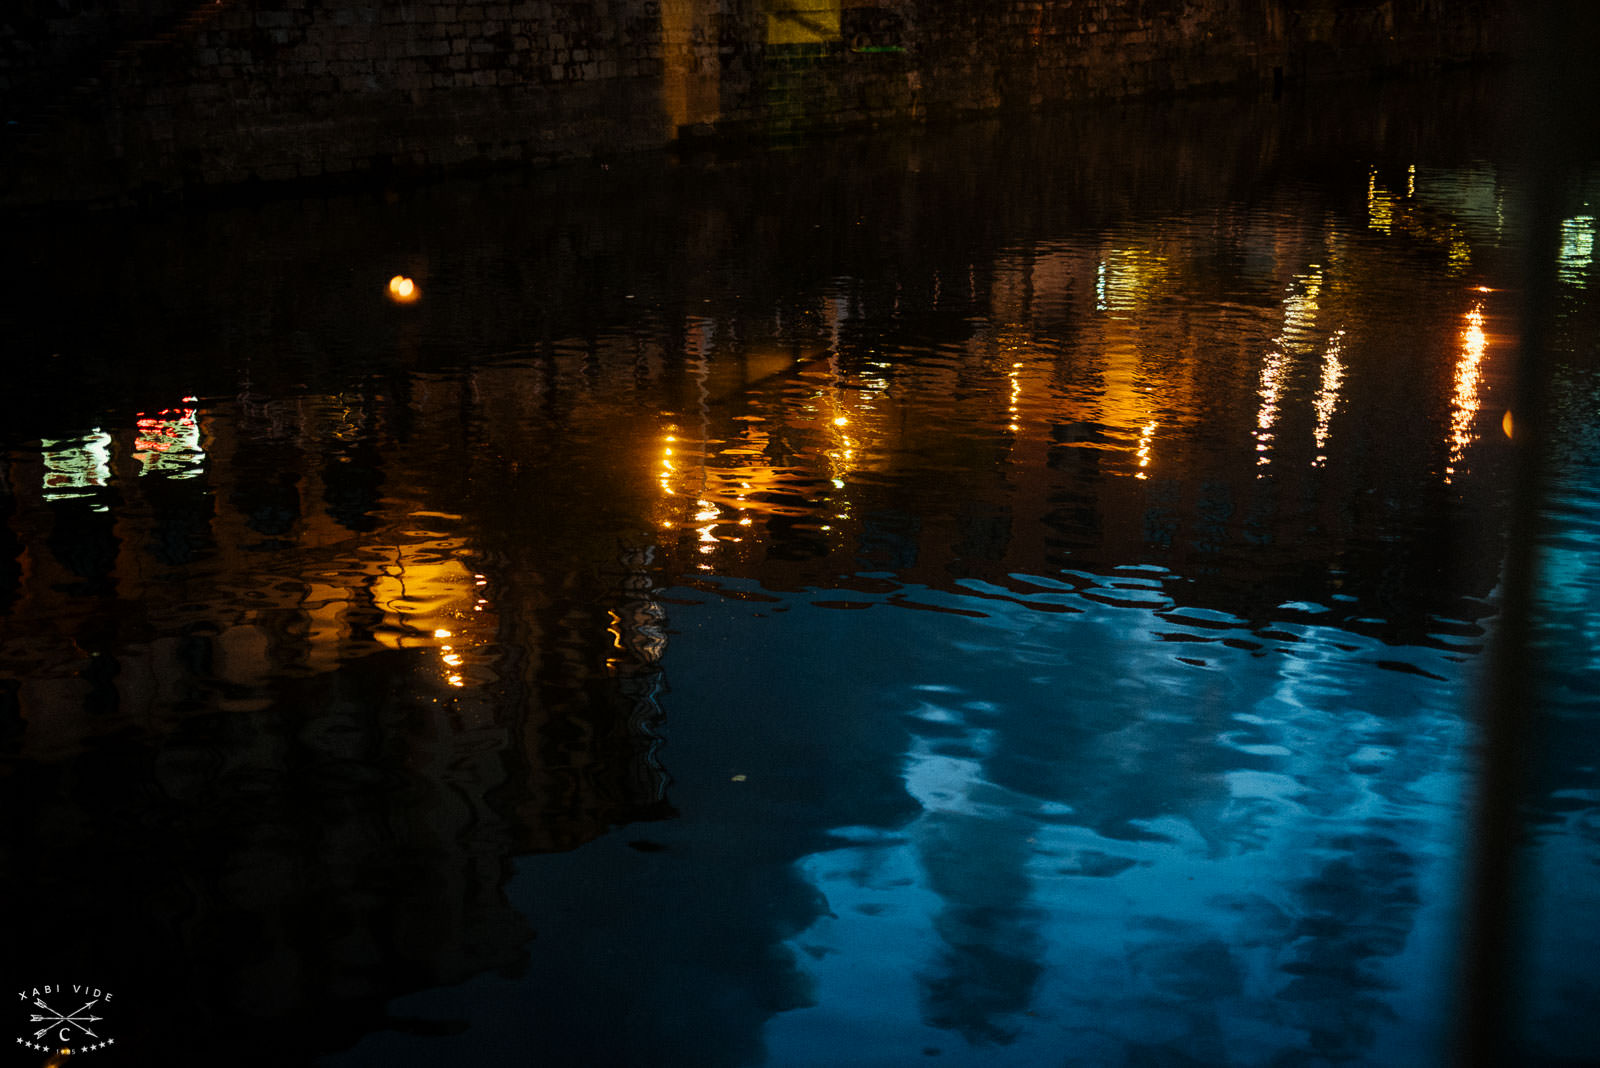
x=1577 y=248
x=1299 y=318
x=1327 y=399
x=75 y=467
x=1271 y=384
x=838 y=312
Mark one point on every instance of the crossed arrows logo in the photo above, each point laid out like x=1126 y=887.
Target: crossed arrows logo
x=77 y=1019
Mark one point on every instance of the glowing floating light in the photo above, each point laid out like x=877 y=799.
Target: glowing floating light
x=403 y=290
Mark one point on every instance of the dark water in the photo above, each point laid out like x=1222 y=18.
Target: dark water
x=1007 y=595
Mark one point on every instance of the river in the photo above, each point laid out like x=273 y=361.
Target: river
x=1008 y=594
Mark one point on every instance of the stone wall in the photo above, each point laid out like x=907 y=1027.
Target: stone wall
x=235 y=91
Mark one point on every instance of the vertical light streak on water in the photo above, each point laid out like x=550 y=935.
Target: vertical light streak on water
x=1465 y=401
x=1577 y=249
x=1299 y=319
x=1380 y=205
x=1326 y=401
x=1142 y=452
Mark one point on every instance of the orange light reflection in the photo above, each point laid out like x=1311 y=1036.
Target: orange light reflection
x=1464 y=405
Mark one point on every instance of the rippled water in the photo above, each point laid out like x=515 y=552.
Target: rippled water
x=1008 y=595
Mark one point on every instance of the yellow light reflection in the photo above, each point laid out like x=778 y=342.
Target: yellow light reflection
x=1300 y=306
x=1380 y=205
x=1146 y=437
x=1016 y=395
x=667 y=466
x=615 y=630
x=747 y=467
x=1128 y=278
x=1465 y=403
x=1327 y=399
x=425 y=600
x=842 y=454
x=1272 y=372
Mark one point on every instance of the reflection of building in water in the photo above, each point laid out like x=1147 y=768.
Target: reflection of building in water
x=169 y=443
x=1021 y=430
x=314 y=681
x=639 y=640
x=1577 y=249
x=1094 y=401
x=73 y=467
x=770 y=438
x=347 y=592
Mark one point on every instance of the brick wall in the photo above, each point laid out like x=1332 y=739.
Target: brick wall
x=236 y=91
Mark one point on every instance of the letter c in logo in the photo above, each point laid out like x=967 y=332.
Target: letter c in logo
x=64 y=1035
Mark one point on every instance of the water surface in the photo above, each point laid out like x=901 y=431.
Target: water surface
x=1013 y=594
